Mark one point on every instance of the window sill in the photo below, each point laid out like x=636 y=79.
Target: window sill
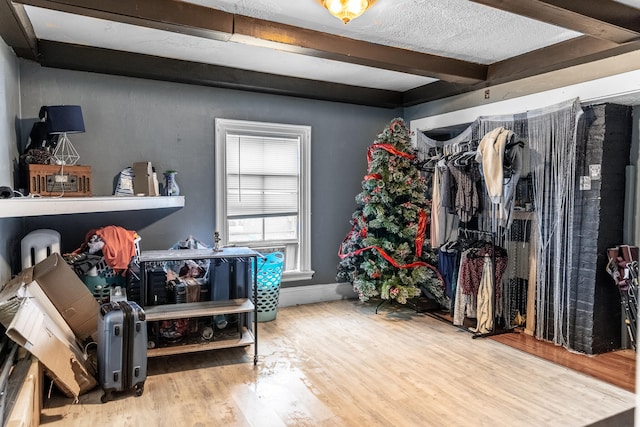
x=293 y=276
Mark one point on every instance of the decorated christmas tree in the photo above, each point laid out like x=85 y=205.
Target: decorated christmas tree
x=386 y=253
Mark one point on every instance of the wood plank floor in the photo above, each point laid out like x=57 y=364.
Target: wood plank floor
x=615 y=367
x=340 y=364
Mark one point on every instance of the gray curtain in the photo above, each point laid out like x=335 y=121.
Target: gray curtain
x=550 y=135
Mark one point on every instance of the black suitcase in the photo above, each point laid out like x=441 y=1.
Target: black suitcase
x=231 y=279
x=156 y=287
x=134 y=292
x=122 y=348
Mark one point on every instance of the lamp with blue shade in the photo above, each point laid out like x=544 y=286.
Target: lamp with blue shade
x=61 y=120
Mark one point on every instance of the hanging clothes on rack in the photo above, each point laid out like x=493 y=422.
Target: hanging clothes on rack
x=500 y=156
x=479 y=279
x=485 y=311
x=511 y=171
x=444 y=221
x=448 y=262
x=490 y=155
x=459 y=184
x=465 y=305
x=436 y=204
x=474 y=262
x=466 y=177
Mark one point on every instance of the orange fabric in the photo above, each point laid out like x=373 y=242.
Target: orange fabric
x=119 y=246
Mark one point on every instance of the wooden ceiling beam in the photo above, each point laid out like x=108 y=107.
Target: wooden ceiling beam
x=329 y=46
x=200 y=21
x=554 y=57
x=107 y=61
x=436 y=90
x=16 y=30
x=569 y=54
x=602 y=19
x=167 y=15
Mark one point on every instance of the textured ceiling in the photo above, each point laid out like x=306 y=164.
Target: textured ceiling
x=400 y=52
x=453 y=28
x=64 y=27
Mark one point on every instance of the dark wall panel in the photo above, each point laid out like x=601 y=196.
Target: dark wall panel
x=599 y=215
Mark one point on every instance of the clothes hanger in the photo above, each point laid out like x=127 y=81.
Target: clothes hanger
x=465 y=158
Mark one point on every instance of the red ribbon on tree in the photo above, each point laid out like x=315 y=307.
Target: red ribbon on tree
x=391 y=260
x=389 y=148
x=422 y=229
x=363 y=230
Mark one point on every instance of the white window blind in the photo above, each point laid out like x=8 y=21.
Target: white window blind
x=263 y=190
x=262 y=176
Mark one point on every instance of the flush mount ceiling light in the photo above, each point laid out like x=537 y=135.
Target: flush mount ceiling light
x=346 y=10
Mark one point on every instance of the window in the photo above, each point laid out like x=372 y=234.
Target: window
x=263 y=190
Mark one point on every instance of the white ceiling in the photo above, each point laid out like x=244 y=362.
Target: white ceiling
x=463 y=42
x=64 y=27
x=453 y=28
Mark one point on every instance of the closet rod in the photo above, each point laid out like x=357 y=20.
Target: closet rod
x=486 y=233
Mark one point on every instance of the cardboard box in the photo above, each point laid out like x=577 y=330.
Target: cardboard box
x=69 y=295
x=25 y=402
x=145 y=180
x=34 y=323
x=34 y=329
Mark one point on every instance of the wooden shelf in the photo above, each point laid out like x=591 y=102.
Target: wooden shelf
x=244 y=340
x=242 y=307
x=198 y=309
x=37 y=206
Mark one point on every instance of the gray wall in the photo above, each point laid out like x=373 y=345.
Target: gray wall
x=10 y=228
x=172 y=125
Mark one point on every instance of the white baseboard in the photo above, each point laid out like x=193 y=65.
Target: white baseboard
x=315 y=293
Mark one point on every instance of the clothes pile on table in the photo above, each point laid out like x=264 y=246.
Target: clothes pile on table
x=111 y=247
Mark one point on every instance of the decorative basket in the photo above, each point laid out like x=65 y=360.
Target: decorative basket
x=268 y=286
